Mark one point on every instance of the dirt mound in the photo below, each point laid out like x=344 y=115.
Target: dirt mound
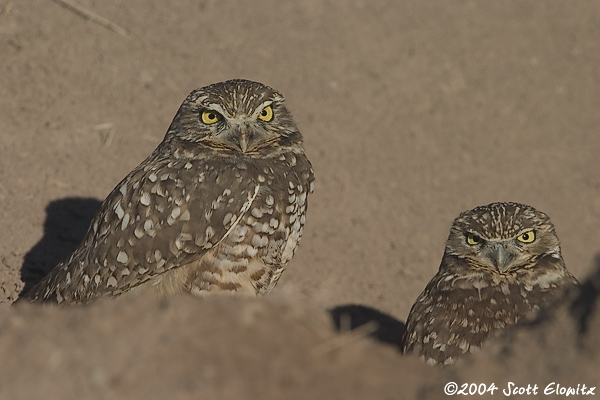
x=139 y=347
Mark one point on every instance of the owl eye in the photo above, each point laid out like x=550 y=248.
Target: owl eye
x=266 y=114
x=526 y=237
x=210 y=117
x=473 y=239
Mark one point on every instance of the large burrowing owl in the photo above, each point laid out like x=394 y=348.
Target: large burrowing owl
x=502 y=262
x=218 y=206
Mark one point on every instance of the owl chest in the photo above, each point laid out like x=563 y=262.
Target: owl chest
x=252 y=256
x=252 y=240
x=271 y=227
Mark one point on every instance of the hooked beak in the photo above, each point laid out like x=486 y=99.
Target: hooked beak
x=499 y=256
x=243 y=139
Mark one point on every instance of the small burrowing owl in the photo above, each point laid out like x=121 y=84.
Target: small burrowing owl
x=218 y=206
x=502 y=262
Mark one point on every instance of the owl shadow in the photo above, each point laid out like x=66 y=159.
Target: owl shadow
x=387 y=329
x=67 y=221
x=588 y=298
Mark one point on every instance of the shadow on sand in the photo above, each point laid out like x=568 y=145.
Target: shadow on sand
x=67 y=221
x=389 y=330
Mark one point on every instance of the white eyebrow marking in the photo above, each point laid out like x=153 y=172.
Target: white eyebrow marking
x=259 y=109
x=219 y=109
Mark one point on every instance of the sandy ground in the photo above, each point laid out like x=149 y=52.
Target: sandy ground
x=411 y=111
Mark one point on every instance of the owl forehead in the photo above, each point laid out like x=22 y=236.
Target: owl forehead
x=236 y=97
x=501 y=220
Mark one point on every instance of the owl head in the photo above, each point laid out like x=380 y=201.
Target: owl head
x=237 y=116
x=502 y=237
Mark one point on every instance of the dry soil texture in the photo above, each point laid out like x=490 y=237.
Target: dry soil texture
x=412 y=111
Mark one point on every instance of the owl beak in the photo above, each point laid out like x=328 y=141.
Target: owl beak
x=499 y=256
x=243 y=140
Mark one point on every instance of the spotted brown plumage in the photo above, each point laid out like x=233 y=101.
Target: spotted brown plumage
x=502 y=262
x=219 y=205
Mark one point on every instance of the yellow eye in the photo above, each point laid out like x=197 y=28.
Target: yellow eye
x=473 y=239
x=266 y=114
x=210 y=117
x=526 y=237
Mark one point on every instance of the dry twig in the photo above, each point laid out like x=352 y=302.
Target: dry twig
x=91 y=16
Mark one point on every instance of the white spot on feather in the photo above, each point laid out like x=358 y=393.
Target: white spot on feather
x=185 y=216
x=122 y=257
x=138 y=232
x=125 y=221
x=112 y=281
x=227 y=219
x=119 y=210
x=145 y=199
x=260 y=241
x=149 y=227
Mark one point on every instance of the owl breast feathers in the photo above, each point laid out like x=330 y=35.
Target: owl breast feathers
x=220 y=205
x=502 y=263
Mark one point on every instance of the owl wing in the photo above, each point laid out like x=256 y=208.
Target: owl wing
x=164 y=214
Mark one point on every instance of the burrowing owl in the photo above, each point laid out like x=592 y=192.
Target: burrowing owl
x=501 y=263
x=218 y=206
